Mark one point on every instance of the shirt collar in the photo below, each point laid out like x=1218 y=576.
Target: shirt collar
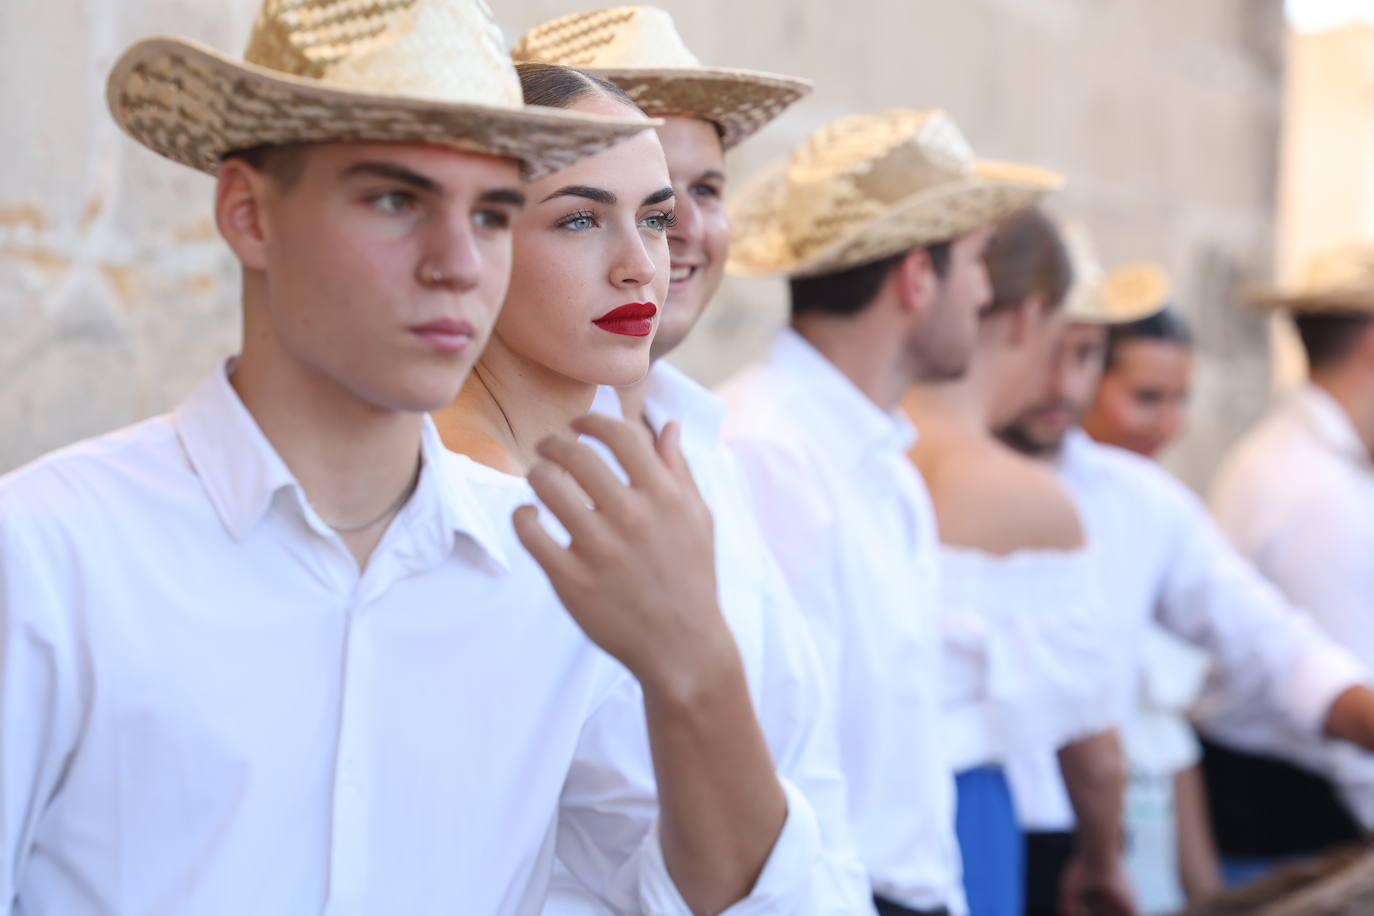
x=239 y=469
x=242 y=474
x=1327 y=419
x=848 y=421
x=673 y=395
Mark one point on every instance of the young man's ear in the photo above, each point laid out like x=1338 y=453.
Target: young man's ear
x=916 y=283
x=240 y=192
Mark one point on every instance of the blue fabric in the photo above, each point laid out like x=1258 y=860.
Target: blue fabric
x=990 y=843
x=1238 y=871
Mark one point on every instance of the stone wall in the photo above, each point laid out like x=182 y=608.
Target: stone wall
x=115 y=295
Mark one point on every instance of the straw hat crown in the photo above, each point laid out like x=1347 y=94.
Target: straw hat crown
x=873 y=185
x=619 y=38
x=422 y=71
x=639 y=49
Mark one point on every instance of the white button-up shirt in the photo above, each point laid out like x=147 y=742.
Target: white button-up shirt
x=851 y=524
x=1024 y=667
x=1296 y=496
x=206 y=709
x=786 y=682
x=1166 y=561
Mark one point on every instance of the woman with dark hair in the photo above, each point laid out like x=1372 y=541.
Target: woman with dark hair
x=1024 y=661
x=1142 y=401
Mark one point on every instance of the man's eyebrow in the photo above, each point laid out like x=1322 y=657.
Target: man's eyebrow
x=711 y=175
x=658 y=197
x=599 y=195
x=394 y=172
x=504 y=196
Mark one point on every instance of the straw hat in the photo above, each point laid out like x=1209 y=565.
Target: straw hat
x=1339 y=280
x=1132 y=292
x=639 y=49
x=869 y=186
x=416 y=71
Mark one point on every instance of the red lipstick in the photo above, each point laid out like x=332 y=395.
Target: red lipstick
x=446 y=335
x=633 y=320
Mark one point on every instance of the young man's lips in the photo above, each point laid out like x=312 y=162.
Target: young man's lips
x=633 y=320
x=446 y=335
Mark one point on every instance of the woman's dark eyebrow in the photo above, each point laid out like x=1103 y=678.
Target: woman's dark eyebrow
x=599 y=195
x=658 y=197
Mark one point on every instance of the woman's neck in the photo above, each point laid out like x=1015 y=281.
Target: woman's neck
x=956 y=404
x=508 y=404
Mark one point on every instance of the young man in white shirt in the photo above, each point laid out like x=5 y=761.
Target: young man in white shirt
x=1296 y=497
x=879 y=222
x=1166 y=562
x=262 y=654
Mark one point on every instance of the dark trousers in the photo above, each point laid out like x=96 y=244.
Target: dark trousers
x=1046 y=856
x=888 y=908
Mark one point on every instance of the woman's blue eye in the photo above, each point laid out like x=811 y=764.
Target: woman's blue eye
x=578 y=222
x=660 y=222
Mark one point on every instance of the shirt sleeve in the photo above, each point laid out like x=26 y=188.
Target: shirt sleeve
x=608 y=839
x=1266 y=653
x=799 y=715
x=40 y=687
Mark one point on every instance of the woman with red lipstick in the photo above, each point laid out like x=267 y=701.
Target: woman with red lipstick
x=707 y=111
x=589 y=277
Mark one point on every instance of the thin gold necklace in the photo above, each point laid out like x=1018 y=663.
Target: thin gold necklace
x=400 y=501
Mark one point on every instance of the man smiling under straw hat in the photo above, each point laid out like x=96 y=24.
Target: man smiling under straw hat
x=878 y=221
x=253 y=656
x=705 y=111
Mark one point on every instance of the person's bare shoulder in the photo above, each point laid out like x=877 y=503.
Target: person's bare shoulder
x=987 y=497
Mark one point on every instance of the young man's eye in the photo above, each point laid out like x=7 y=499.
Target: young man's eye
x=660 y=221
x=492 y=219
x=394 y=202
x=709 y=191
x=578 y=222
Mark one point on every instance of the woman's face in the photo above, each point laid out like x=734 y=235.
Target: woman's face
x=1141 y=403
x=700 y=241
x=590 y=268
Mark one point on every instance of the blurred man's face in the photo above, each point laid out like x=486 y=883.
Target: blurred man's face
x=1067 y=390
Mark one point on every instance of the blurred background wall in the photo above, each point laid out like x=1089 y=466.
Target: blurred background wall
x=116 y=295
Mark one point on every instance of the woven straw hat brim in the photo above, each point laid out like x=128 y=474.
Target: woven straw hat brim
x=1336 y=302
x=1107 y=317
x=740 y=101
x=759 y=243
x=193 y=104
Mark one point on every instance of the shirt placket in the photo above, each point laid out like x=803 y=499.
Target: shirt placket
x=353 y=821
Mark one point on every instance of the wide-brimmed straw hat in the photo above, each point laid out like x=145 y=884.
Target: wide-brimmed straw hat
x=1338 y=280
x=1130 y=293
x=412 y=71
x=639 y=49
x=869 y=186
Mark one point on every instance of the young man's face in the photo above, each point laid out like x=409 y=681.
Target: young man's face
x=945 y=339
x=700 y=240
x=384 y=266
x=1066 y=391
